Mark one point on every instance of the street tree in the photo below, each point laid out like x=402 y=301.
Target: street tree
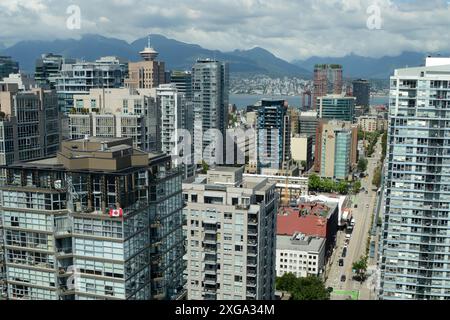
x=360 y=268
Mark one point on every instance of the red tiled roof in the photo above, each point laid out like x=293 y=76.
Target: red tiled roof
x=290 y=221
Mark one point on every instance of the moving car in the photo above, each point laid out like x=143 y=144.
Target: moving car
x=367 y=205
x=344 y=252
x=343 y=278
x=341 y=262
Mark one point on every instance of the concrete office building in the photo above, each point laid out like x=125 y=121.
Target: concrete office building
x=302 y=150
x=273 y=135
x=336 y=149
x=415 y=240
x=210 y=90
x=8 y=66
x=361 y=91
x=101 y=220
x=230 y=233
x=29 y=124
x=79 y=78
x=148 y=73
x=300 y=254
x=336 y=107
x=47 y=69
x=118 y=113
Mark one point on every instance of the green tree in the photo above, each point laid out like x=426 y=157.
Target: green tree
x=360 y=268
x=309 y=288
x=287 y=282
x=362 y=164
x=376 y=181
x=205 y=167
x=356 y=187
x=342 y=187
x=314 y=182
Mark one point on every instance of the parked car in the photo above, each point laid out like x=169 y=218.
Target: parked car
x=367 y=205
x=343 y=278
x=344 y=252
x=341 y=262
x=356 y=206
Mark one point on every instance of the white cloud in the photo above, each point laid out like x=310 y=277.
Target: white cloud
x=291 y=29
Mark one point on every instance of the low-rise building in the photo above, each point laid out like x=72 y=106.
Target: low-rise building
x=316 y=219
x=300 y=254
x=372 y=123
x=302 y=150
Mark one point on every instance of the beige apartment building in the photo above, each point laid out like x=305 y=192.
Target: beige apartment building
x=118 y=113
x=372 y=123
x=230 y=233
x=302 y=149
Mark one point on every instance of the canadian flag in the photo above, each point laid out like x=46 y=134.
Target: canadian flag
x=115 y=213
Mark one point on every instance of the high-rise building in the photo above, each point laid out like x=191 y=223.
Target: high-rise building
x=78 y=78
x=336 y=107
x=148 y=73
x=210 y=96
x=101 y=220
x=415 y=238
x=118 y=113
x=336 y=149
x=273 y=135
x=308 y=124
x=48 y=67
x=361 y=91
x=183 y=82
x=176 y=115
x=8 y=66
x=327 y=80
x=230 y=234
x=29 y=124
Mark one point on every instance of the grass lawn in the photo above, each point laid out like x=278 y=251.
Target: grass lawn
x=352 y=293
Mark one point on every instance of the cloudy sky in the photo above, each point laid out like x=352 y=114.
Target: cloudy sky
x=291 y=29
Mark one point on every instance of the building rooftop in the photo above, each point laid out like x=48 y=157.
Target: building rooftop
x=308 y=218
x=300 y=242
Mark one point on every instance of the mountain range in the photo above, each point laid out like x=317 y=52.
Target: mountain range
x=181 y=56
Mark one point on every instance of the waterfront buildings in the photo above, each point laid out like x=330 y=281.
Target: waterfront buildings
x=101 y=220
x=230 y=230
x=327 y=80
x=415 y=237
x=361 y=91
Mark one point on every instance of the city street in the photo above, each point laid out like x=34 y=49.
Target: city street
x=358 y=242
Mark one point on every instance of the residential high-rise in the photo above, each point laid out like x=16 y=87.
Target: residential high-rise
x=79 y=78
x=230 y=234
x=210 y=96
x=148 y=73
x=8 y=66
x=29 y=124
x=327 y=80
x=273 y=135
x=336 y=149
x=336 y=107
x=415 y=238
x=118 y=113
x=361 y=91
x=171 y=112
x=48 y=67
x=101 y=220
